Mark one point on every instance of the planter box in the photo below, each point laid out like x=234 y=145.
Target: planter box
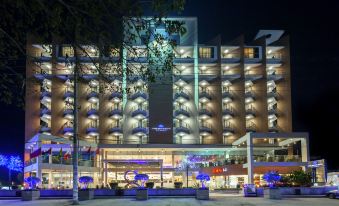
x=273 y=193
x=86 y=194
x=28 y=195
x=141 y=194
x=203 y=194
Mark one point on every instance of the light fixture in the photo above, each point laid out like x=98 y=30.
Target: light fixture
x=248 y=68
x=226 y=51
x=227 y=67
x=203 y=67
x=183 y=67
x=182 y=51
x=269 y=51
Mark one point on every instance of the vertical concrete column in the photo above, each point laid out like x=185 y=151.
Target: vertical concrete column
x=305 y=156
x=105 y=173
x=250 y=161
x=161 y=174
x=39 y=162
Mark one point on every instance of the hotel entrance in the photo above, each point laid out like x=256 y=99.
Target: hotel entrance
x=122 y=171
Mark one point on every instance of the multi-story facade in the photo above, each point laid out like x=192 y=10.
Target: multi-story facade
x=225 y=109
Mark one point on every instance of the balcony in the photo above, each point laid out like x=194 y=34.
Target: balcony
x=274 y=58
x=69 y=113
x=115 y=130
x=93 y=129
x=68 y=129
x=116 y=113
x=45 y=111
x=228 y=110
x=181 y=112
x=92 y=112
x=45 y=93
x=69 y=92
x=45 y=129
x=139 y=96
x=272 y=110
x=250 y=127
x=230 y=57
x=116 y=97
x=272 y=94
x=139 y=113
x=181 y=95
x=205 y=113
x=250 y=94
x=93 y=95
x=182 y=129
x=140 y=130
x=205 y=129
x=205 y=96
x=228 y=129
x=277 y=158
x=274 y=77
x=274 y=128
x=250 y=110
x=41 y=73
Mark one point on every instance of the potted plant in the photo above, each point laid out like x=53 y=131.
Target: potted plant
x=177 y=185
x=141 y=192
x=272 y=178
x=113 y=185
x=85 y=193
x=32 y=193
x=150 y=185
x=203 y=191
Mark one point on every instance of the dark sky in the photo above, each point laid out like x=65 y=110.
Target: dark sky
x=313 y=28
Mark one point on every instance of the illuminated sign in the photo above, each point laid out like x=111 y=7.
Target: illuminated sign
x=161 y=128
x=219 y=170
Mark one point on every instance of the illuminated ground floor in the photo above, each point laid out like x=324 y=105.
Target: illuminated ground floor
x=229 y=166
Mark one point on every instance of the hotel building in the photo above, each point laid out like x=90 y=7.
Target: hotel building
x=224 y=110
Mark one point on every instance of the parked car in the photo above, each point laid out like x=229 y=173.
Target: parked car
x=333 y=194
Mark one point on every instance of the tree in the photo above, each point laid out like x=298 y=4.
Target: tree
x=185 y=164
x=3 y=160
x=301 y=178
x=107 y=25
x=14 y=164
x=272 y=178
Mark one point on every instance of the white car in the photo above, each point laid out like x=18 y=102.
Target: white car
x=333 y=194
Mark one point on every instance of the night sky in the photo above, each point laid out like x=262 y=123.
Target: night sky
x=314 y=33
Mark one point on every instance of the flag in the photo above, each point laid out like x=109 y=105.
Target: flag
x=47 y=152
x=97 y=152
x=36 y=153
x=67 y=155
x=89 y=150
x=60 y=153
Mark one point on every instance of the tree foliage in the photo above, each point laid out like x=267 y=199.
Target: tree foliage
x=118 y=24
x=301 y=178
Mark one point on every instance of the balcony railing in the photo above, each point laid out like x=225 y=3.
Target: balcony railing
x=250 y=127
x=182 y=128
x=181 y=111
x=205 y=128
x=277 y=158
x=182 y=93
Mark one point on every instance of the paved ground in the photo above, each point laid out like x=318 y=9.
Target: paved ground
x=215 y=201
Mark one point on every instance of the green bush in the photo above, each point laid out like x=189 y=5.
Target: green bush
x=301 y=178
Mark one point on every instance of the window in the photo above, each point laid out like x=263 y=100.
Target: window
x=206 y=52
x=67 y=51
x=251 y=53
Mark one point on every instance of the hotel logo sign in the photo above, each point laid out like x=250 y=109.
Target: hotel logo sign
x=161 y=128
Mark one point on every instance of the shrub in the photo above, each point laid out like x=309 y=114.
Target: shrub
x=301 y=178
